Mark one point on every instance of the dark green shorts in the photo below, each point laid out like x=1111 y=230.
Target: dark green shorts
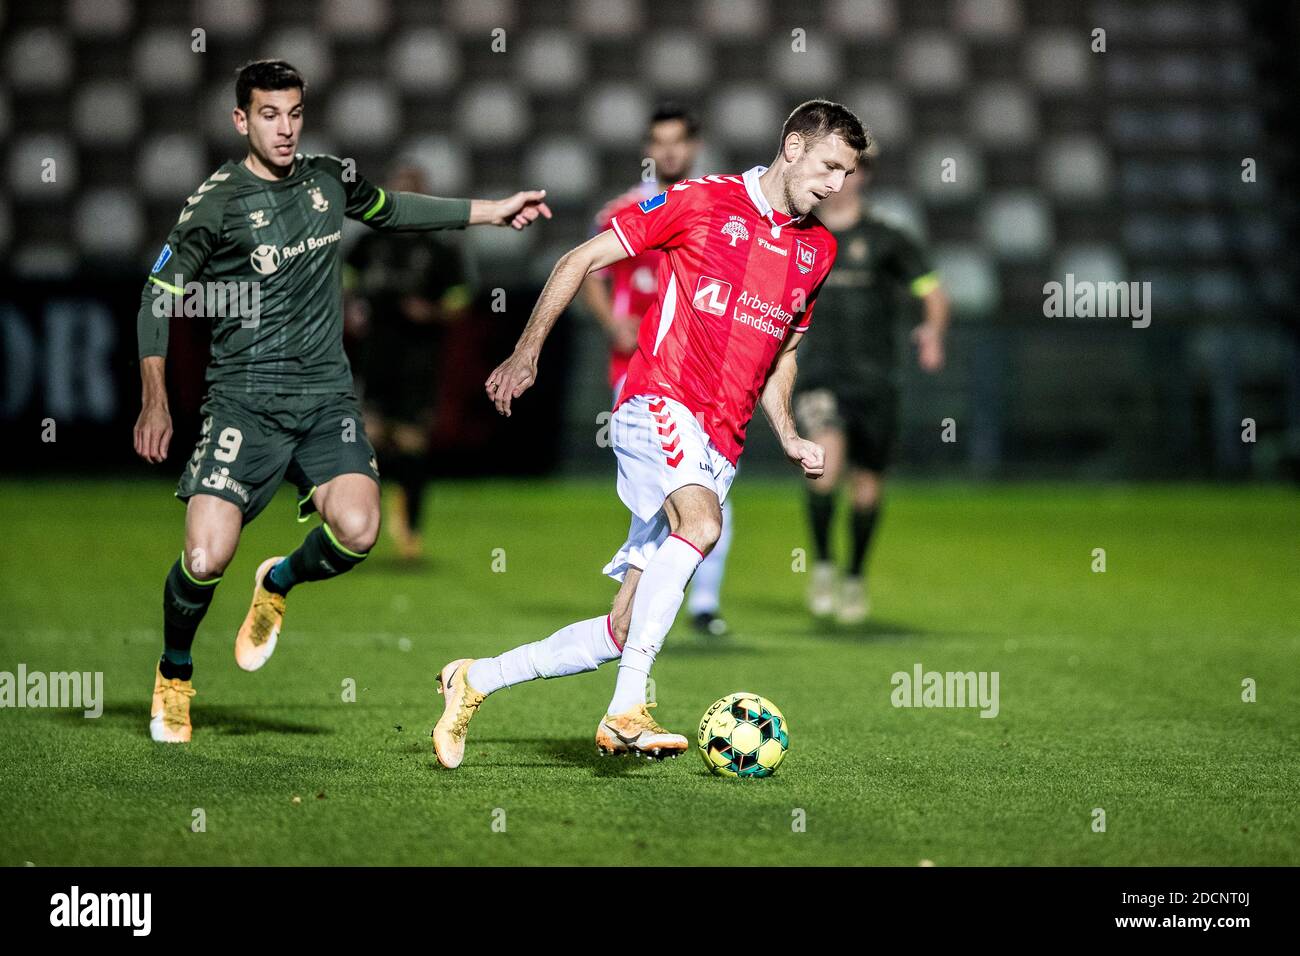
x=250 y=443
x=868 y=418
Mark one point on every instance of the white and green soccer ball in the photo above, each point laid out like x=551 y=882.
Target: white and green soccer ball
x=743 y=735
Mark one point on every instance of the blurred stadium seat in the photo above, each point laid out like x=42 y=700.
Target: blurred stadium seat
x=1119 y=165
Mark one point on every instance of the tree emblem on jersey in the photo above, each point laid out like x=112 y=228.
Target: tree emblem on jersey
x=265 y=259
x=736 y=229
x=318 y=200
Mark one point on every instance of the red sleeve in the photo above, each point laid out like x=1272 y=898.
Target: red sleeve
x=657 y=223
x=806 y=320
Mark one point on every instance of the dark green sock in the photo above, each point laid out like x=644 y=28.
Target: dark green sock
x=864 y=526
x=317 y=558
x=185 y=601
x=821 y=509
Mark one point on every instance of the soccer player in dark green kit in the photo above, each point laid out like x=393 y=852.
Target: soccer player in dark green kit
x=846 y=395
x=256 y=249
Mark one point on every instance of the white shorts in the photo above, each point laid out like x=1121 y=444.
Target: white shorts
x=660 y=447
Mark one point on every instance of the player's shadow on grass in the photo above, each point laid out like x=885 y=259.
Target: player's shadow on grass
x=394 y=564
x=875 y=630
x=216 y=719
x=689 y=643
x=556 y=610
x=575 y=752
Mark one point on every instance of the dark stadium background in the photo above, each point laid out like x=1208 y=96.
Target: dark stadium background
x=1124 y=165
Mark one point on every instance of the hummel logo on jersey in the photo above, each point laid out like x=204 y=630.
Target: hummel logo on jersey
x=770 y=247
x=318 y=200
x=712 y=295
x=654 y=202
x=258 y=218
x=804 y=256
x=735 y=228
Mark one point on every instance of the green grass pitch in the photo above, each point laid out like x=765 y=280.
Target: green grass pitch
x=1119 y=690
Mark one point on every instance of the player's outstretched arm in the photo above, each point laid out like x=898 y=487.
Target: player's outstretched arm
x=775 y=400
x=930 y=334
x=516 y=374
x=153 y=429
x=516 y=211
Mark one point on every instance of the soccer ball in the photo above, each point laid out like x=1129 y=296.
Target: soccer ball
x=743 y=735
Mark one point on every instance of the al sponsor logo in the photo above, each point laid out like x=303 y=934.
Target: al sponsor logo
x=712 y=295
x=267 y=259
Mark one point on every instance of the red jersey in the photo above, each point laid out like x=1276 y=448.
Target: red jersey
x=632 y=287
x=738 y=279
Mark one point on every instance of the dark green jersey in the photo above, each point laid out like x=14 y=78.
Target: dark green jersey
x=260 y=260
x=851 y=346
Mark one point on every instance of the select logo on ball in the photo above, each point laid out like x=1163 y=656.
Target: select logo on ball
x=743 y=735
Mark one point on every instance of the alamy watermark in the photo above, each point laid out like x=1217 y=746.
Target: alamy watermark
x=210 y=300
x=922 y=688
x=79 y=690
x=1084 y=299
x=75 y=908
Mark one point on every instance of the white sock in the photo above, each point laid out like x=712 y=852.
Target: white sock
x=658 y=598
x=574 y=649
x=706 y=587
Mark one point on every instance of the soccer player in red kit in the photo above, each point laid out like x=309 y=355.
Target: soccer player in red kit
x=620 y=295
x=745 y=260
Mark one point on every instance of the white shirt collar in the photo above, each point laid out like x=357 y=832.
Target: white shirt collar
x=750 y=179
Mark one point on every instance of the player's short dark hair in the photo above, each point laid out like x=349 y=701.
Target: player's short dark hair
x=666 y=112
x=265 y=75
x=817 y=119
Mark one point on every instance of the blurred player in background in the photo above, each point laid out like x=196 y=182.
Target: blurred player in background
x=745 y=262
x=623 y=293
x=280 y=402
x=847 y=394
x=414 y=289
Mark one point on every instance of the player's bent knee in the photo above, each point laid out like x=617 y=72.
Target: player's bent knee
x=703 y=532
x=867 y=490
x=356 y=529
x=206 y=559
